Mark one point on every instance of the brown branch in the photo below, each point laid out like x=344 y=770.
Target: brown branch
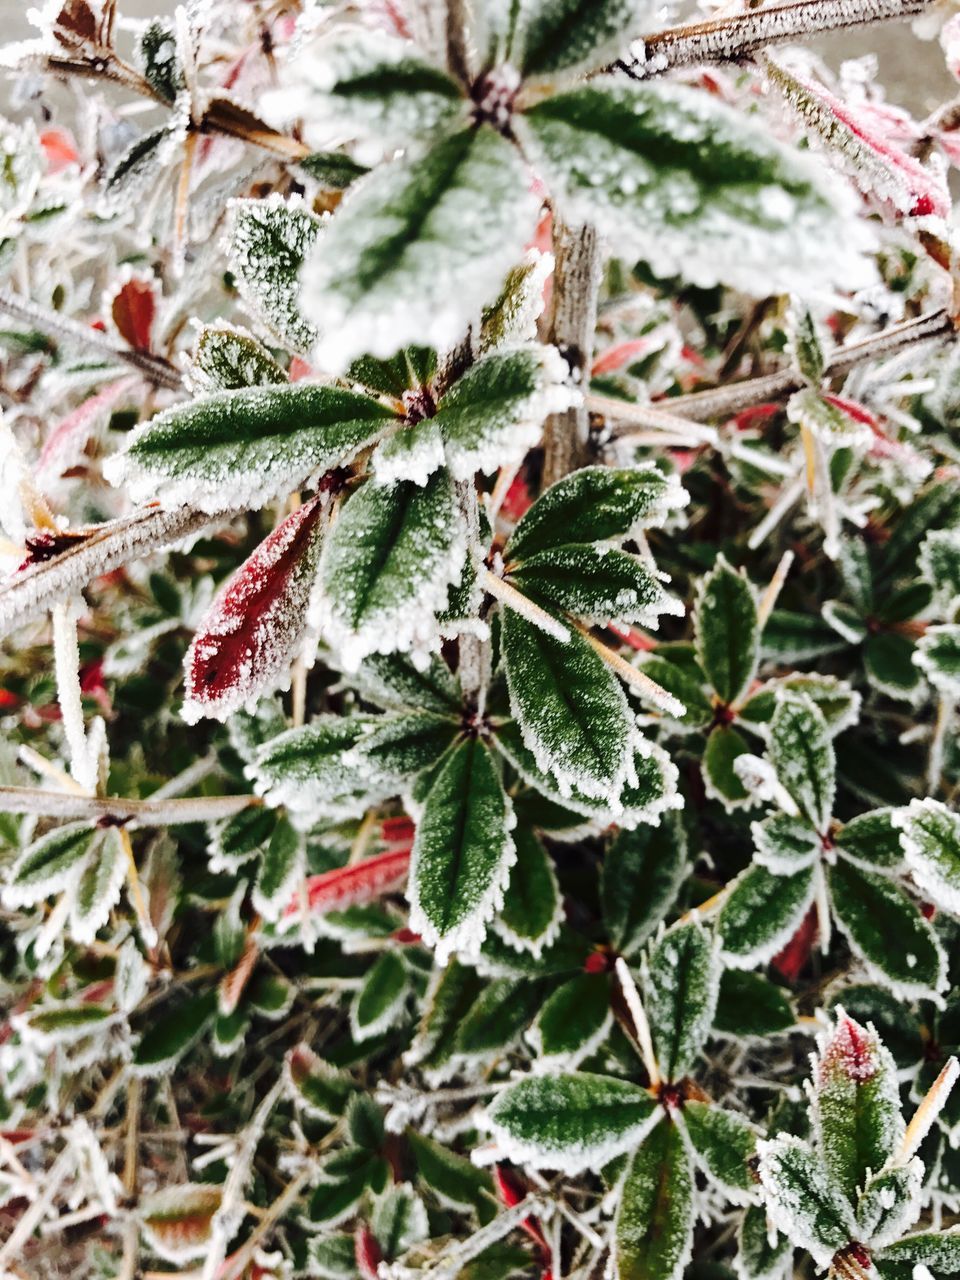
x=146 y=813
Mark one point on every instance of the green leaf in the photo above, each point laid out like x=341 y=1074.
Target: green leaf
x=654 y=1222
x=49 y=864
x=890 y=1203
x=938 y=656
x=235 y=841
x=453 y=1179
x=750 y=1005
x=825 y=421
x=332 y=1257
x=532 y=909
x=839 y=703
x=139 y=167
x=940 y=565
x=640 y=880
x=513 y=317
x=761 y=914
x=930 y=839
x=393 y=682
x=496 y=1019
x=871 y=910
x=269 y=240
x=597 y=584
x=451 y=993
x=575 y=35
x=682 y=981
x=595 y=504
x=571 y=710
x=856 y=1105
x=169 y=1036
x=400 y=747
x=574 y=1020
x=759 y=1258
x=226 y=358
x=379 y=1003
x=806 y=342
x=889 y=667
x=388 y=562
x=98 y=889
x=674 y=179
x=784 y=845
x=872 y=840
x=314 y=1085
x=281 y=865
x=686 y=685
x=792 y=637
x=398 y=265
x=801 y=752
x=242 y=448
x=332 y=169
x=725 y=745
x=62 y=1025
x=802 y=1200
x=727 y=631
x=399 y=1221
x=724 y=1143
x=157 y=59
x=307 y=769
x=938 y=1250
x=463 y=852
x=572 y=1121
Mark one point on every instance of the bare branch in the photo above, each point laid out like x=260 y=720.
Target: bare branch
x=145 y=813
x=737 y=36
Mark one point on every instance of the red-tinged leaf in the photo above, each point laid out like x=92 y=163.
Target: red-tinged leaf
x=64 y=446
x=299 y=369
x=634 y=638
x=756 y=416
x=511 y=1191
x=133 y=309
x=398 y=830
x=858 y=138
x=623 y=353
x=366 y=1251
x=177 y=1220
x=790 y=961
x=855 y=411
x=256 y=625
x=360 y=883
x=518 y=500
x=58 y=149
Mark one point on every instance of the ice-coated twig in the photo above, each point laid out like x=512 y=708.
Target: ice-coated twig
x=928 y=1110
x=146 y=813
x=769 y=600
x=736 y=36
x=105 y=547
x=946 y=710
x=633 y=676
x=728 y=400
x=50 y=322
x=66 y=659
x=34 y=1213
x=639 y=1015
x=515 y=599
x=454 y=1258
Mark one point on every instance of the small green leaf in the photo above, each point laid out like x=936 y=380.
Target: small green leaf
x=727 y=631
x=48 y=864
x=937 y=1250
x=759 y=1258
x=889 y=1204
x=575 y=35
x=451 y=993
x=872 y=840
x=394 y=266
x=158 y=60
x=495 y=1020
x=839 y=703
x=938 y=656
x=269 y=240
x=940 y=565
x=750 y=1005
x=169 y=1036
x=871 y=910
x=314 y=1085
x=332 y=1257
x=806 y=342
x=802 y=1200
x=725 y=745
x=332 y=169
x=393 y=682
x=242 y=448
x=98 y=889
x=571 y=710
x=570 y=1122
x=380 y=1002
x=930 y=839
x=595 y=504
x=761 y=914
x=784 y=845
x=226 y=358
x=532 y=908
x=399 y=747
x=640 y=880
x=307 y=769
x=399 y=1221
x=235 y=841
x=889 y=667
x=654 y=1223
x=574 y=1020
x=281 y=864
x=686 y=685
x=825 y=420
x=682 y=980
x=463 y=851
x=596 y=584
x=802 y=754
x=724 y=1143
x=453 y=1179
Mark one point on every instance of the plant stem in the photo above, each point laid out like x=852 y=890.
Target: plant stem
x=153 y=367
x=146 y=813
x=736 y=36
x=458 y=51
x=576 y=283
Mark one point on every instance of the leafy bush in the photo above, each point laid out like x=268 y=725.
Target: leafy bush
x=482 y=545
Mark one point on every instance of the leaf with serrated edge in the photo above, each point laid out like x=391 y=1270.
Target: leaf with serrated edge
x=724 y=1142
x=802 y=754
x=681 y=982
x=267 y=241
x=761 y=913
x=930 y=837
x=802 y=1200
x=379 y=1003
x=573 y=1022
x=532 y=910
x=641 y=878
x=655 y=1218
x=49 y=864
x=727 y=631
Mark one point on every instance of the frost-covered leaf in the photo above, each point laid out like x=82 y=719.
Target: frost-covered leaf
x=141 y=165
x=889 y=1204
x=725 y=203
x=158 y=59
x=532 y=908
x=463 y=851
x=453 y=1179
x=574 y=35
x=514 y=315
x=400 y=747
x=641 y=878
x=839 y=703
x=177 y=1220
x=315 y=1085
x=939 y=1251
x=268 y=241
x=727 y=631
x=940 y=565
x=595 y=504
x=938 y=657
x=380 y=1002
x=826 y=420
x=802 y=754
x=763 y=1253
x=930 y=838
x=49 y=863
x=235 y=841
x=574 y=1020
x=872 y=840
x=255 y=629
x=388 y=561
x=307 y=768
x=724 y=1142
x=802 y=1200
x=333 y=170
x=784 y=845
x=226 y=358
x=570 y=1122
x=496 y=1019
x=596 y=583
x=399 y=1220
x=655 y=1218
x=417 y=248
x=806 y=342
x=172 y=1033
x=871 y=910
x=725 y=746
x=98 y=888
x=357 y=83
x=751 y=1005
x=241 y=448
x=392 y=681
x=761 y=913
x=281 y=866
x=889 y=666
x=572 y=712
x=856 y=1104
x=681 y=983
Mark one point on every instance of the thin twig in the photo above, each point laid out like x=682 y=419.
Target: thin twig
x=147 y=813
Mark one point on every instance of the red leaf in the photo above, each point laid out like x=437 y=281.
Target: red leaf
x=851 y=1052
x=789 y=962
x=347 y=886
x=58 y=149
x=623 y=353
x=511 y=1191
x=65 y=444
x=256 y=625
x=366 y=1251
x=133 y=309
